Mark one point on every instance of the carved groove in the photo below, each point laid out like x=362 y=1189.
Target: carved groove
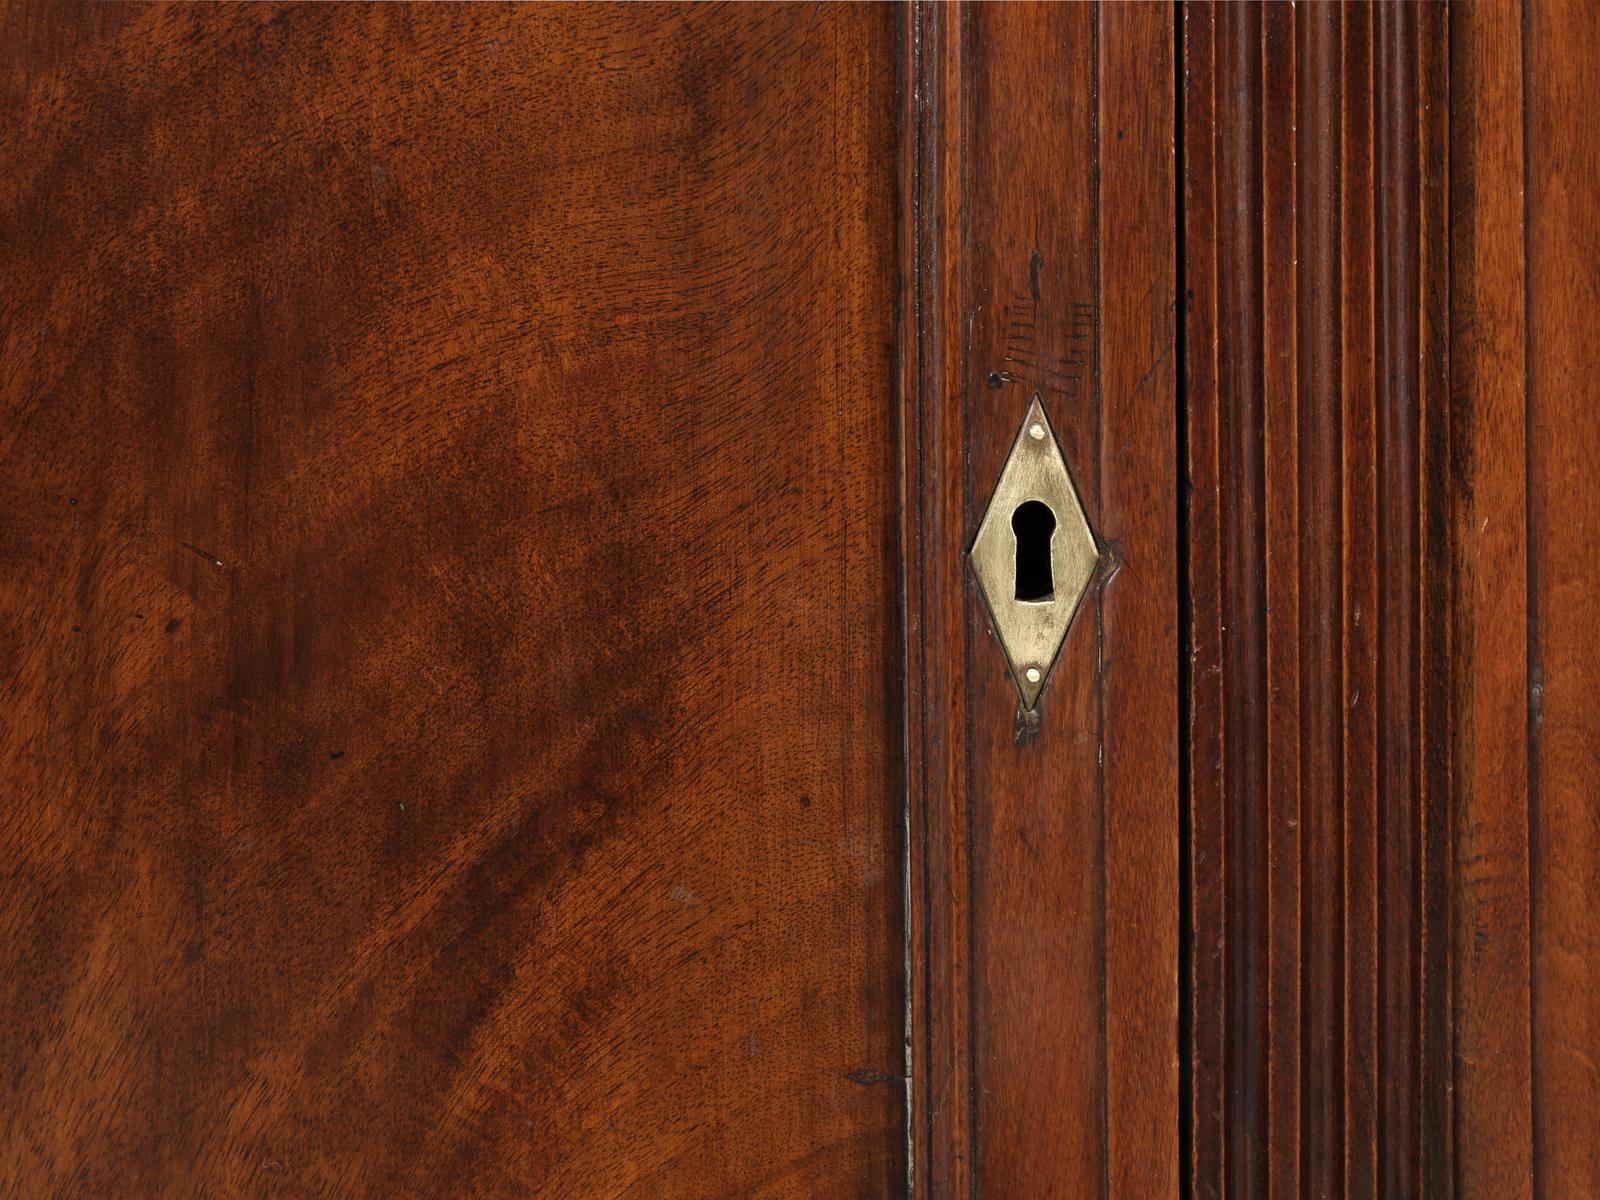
x=1318 y=577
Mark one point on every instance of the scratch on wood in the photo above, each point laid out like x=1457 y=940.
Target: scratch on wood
x=205 y=554
x=867 y=1077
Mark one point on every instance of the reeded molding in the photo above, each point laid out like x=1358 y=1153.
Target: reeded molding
x=1319 y=956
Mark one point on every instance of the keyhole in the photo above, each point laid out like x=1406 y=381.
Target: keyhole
x=1035 y=526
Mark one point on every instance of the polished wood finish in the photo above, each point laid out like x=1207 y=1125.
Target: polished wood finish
x=933 y=508
x=1561 y=57
x=1392 y=568
x=1045 y=866
x=1488 y=360
x=1319 y=574
x=451 y=651
x=498 y=702
x=1139 y=650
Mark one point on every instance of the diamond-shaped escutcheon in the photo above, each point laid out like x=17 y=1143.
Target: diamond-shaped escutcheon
x=1034 y=554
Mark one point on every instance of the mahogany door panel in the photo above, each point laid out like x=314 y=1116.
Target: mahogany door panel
x=451 y=636
x=506 y=693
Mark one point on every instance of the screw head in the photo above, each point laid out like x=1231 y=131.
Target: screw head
x=1036 y=431
x=1033 y=674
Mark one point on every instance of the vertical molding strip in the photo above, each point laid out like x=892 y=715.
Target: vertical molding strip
x=1207 y=908
x=933 y=507
x=1489 y=602
x=1139 y=603
x=1399 y=790
x=1360 y=585
x=1315 y=166
x=1318 y=47
x=1038 y=162
x=1435 y=614
x=1560 y=50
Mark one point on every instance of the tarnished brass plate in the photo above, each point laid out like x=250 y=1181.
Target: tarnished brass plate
x=1033 y=576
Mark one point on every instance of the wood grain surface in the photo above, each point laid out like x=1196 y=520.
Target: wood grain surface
x=448 y=574
x=1394 y=990
x=1488 y=360
x=1045 y=865
x=1319 y=574
x=496 y=704
x=1561 y=66
x=1035 y=814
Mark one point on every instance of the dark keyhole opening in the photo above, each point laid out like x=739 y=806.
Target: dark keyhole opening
x=1034 y=524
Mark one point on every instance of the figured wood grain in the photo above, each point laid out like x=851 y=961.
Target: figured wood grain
x=450 y=466
x=450 y=646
